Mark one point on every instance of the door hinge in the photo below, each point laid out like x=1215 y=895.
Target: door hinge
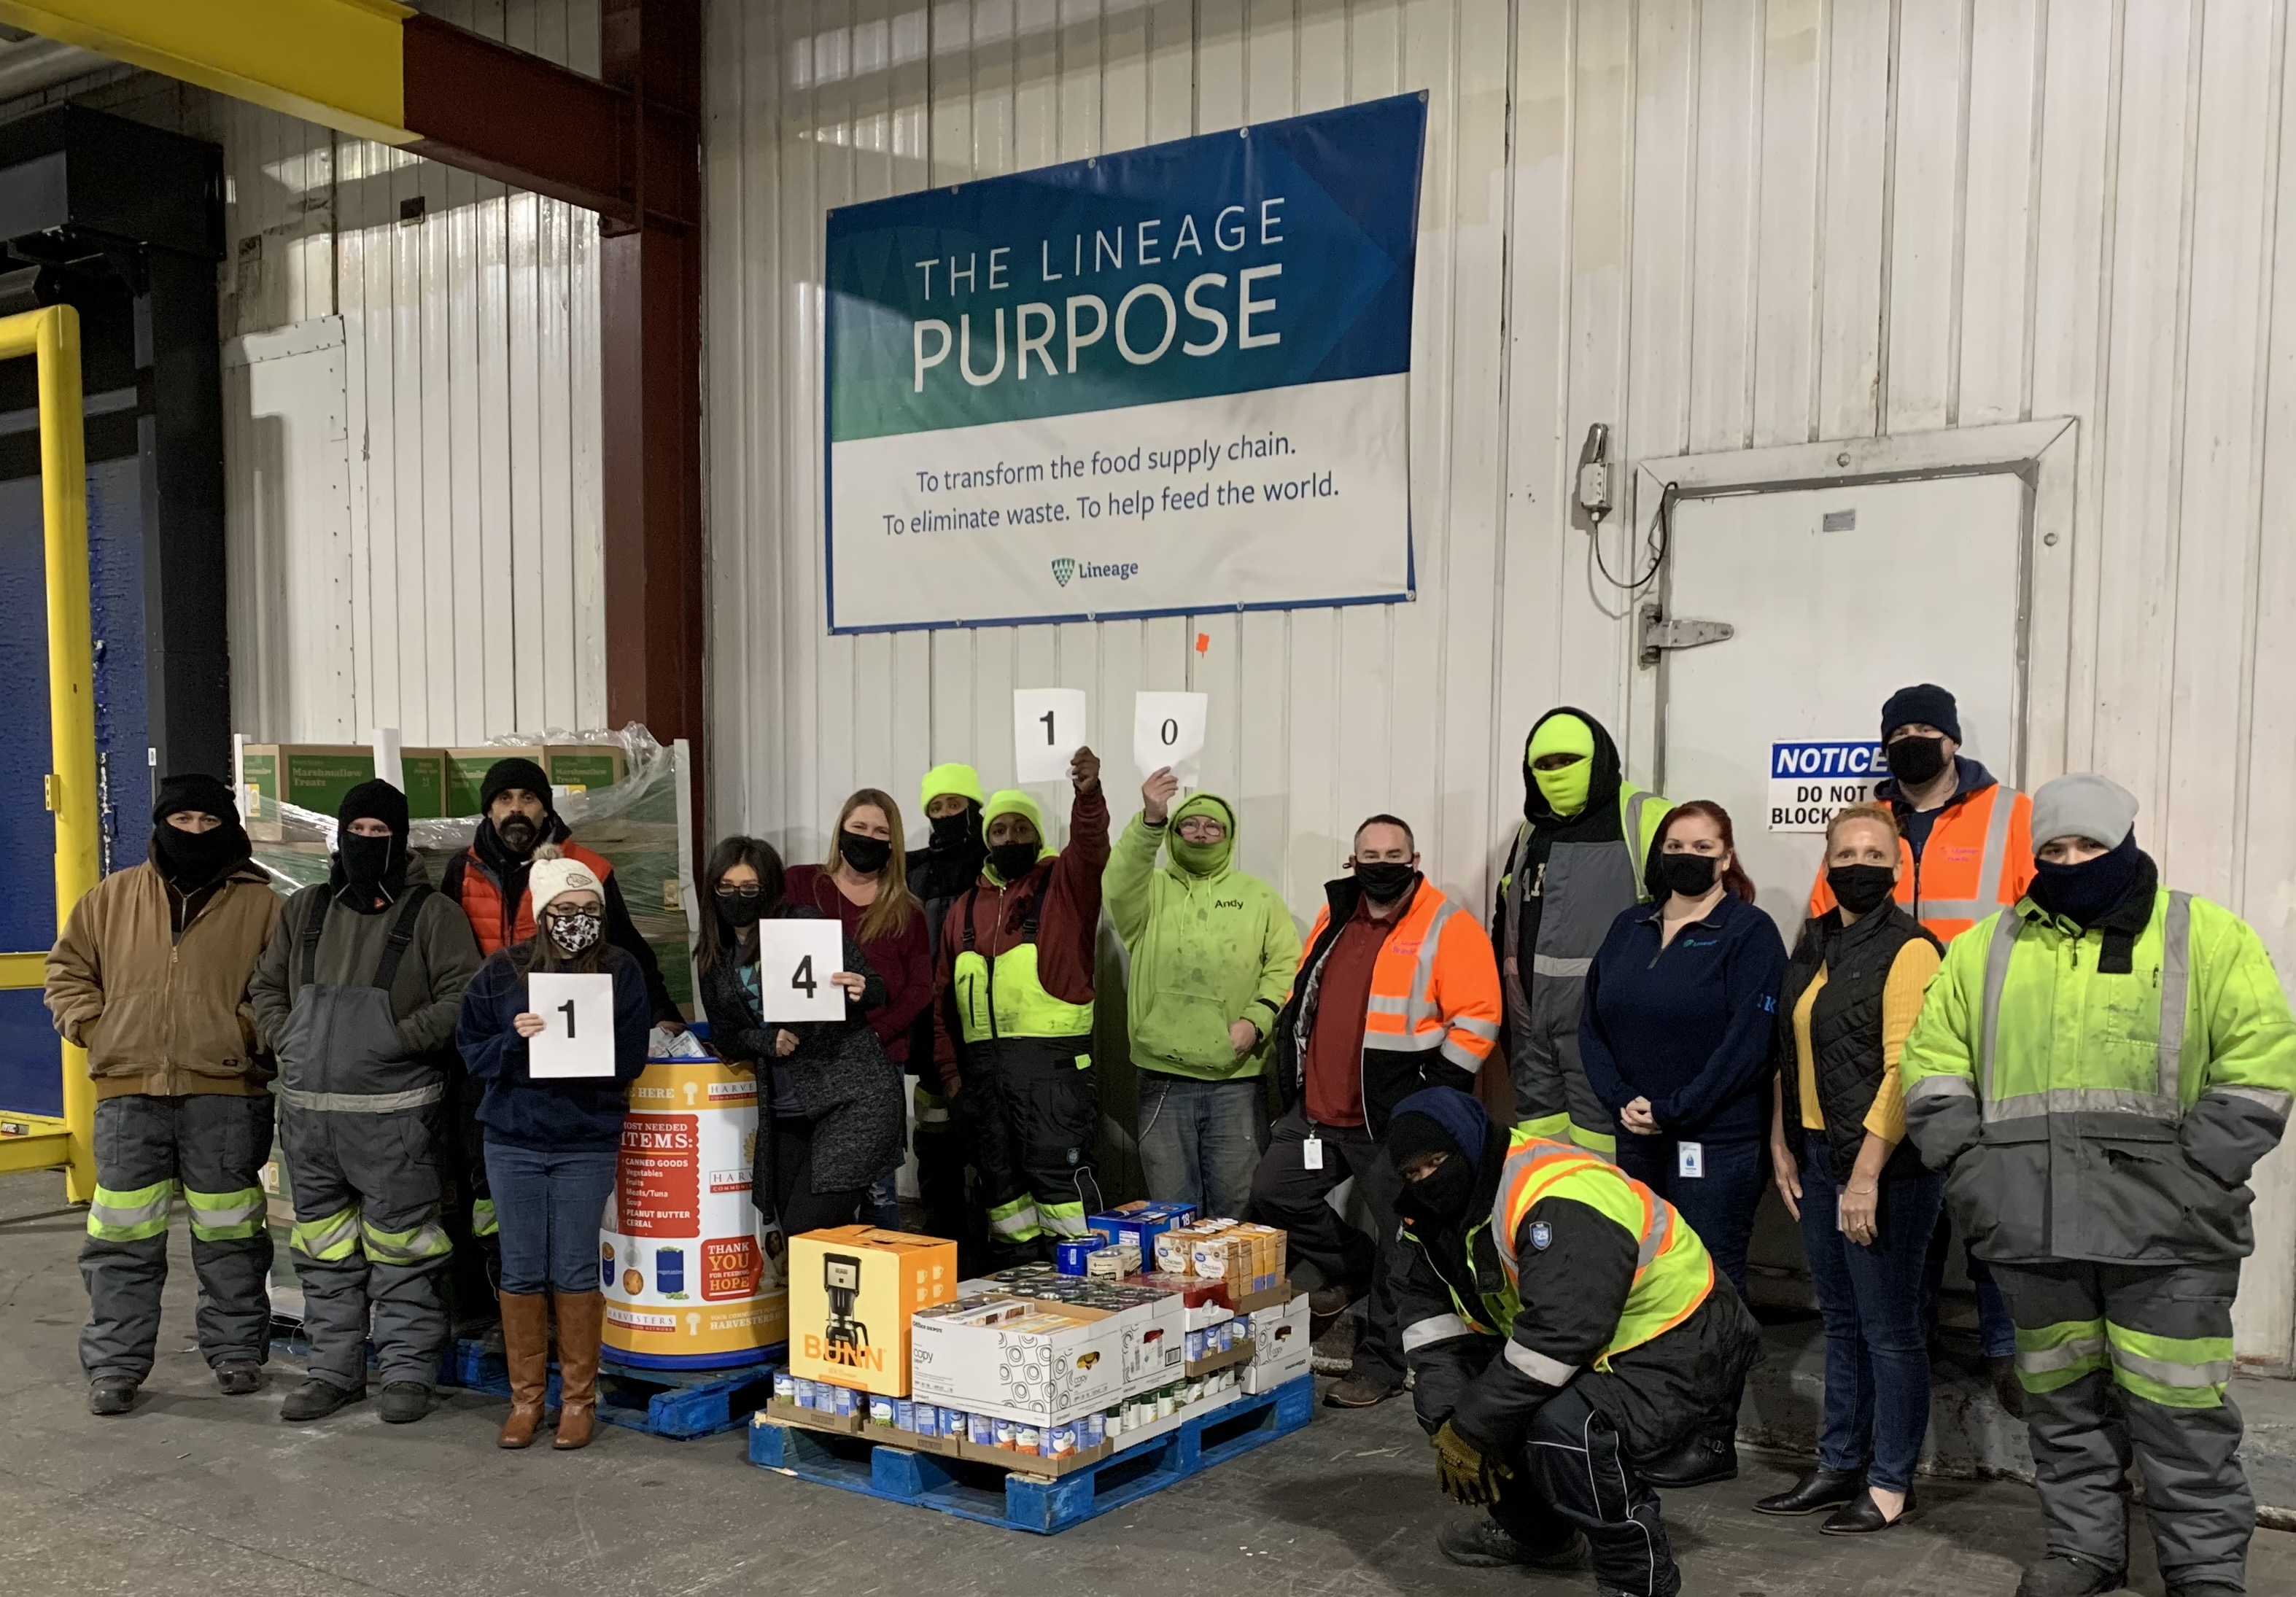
x=1658 y=633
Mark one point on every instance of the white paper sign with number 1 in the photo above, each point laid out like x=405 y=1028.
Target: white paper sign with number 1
x=795 y=960
x=1168 y=729
x=580 y=1012
x=1047 y=730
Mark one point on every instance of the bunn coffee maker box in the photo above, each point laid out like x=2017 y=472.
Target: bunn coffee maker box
x=852 y=1289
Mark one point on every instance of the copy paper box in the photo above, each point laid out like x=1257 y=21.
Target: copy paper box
x=1032 y=1362
x=852 y=1291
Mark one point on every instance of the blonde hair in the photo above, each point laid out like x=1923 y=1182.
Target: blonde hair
x=1880 y=812
x=890 y=914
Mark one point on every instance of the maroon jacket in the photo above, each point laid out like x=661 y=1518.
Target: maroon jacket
x=1063 y=892
x=904 y=959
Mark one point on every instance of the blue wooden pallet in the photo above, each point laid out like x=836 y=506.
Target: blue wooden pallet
x=679 y=1405
x=995 y=1496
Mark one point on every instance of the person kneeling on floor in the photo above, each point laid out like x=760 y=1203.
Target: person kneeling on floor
x=1559 y=1322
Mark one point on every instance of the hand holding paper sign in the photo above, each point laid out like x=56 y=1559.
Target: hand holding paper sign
x=1167 y=730
x=1048 y=724
x=799 y=978
x=577 y=1034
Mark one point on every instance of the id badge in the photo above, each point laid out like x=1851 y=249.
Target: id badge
x=1311 y=1153
x=1690 y=1159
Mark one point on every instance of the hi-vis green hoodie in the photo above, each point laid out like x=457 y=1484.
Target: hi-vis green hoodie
x=1210 y=945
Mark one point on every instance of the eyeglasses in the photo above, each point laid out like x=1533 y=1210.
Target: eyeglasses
x=751 y=891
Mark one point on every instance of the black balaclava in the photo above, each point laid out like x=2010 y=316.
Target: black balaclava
x=1439 y=1120
x=516 y=851
x=192 y=860
x=2086 y=893
x=953 y=855
x=368 y=868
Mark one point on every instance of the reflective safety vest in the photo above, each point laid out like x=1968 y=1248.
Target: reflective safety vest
x=1673 y=1272
x=1979 y=858
x=999 y=995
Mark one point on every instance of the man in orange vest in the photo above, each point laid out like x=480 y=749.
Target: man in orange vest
x=1966 y=849
x=1399 y=990
x=489 y=880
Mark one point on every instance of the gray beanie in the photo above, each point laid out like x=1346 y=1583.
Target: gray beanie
x=2082 y=804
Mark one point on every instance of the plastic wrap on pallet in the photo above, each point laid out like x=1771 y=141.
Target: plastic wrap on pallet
x=633 y=823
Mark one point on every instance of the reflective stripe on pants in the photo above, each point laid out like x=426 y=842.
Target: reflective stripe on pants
x=130 y=1216
x=224 y=1217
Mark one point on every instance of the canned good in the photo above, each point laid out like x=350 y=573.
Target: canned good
x=1000 y=1433
x=1027 y=1438
x=1165 y=1403
x=784 y=1386
x=1093 y=1430
x=904 y=1415
x=605 y=1266
x=1060 y=1441
x=669 y=1271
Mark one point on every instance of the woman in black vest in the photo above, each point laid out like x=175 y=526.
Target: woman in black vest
x=1842 y=1164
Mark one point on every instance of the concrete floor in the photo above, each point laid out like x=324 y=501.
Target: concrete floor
x=195 y=1493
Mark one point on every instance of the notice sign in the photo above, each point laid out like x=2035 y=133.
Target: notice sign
x=1811 y=781
x=1165 y=380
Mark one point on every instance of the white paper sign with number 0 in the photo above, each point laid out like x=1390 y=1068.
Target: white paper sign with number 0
x=795 y=960
x=1047 y=730
x=580 y=1012
x=1168 y=729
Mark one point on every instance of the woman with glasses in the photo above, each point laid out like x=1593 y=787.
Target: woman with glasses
x=830 y=1116
x=864 y=884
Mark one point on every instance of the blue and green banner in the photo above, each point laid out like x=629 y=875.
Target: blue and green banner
x=1164 y=381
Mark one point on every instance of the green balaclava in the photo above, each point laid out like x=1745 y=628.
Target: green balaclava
x=1202 y=859
x=1564 y=789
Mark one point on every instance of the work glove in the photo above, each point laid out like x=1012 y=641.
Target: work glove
x=1466 y=1472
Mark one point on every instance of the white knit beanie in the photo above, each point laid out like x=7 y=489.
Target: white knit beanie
x=553 y=874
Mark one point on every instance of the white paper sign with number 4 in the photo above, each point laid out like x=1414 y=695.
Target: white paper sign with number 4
x=1168 y=729
x=1047 y=730
x=795 y=960
x=580 y=1010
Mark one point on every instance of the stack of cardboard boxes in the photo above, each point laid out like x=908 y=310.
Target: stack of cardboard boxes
x=1061 y=1365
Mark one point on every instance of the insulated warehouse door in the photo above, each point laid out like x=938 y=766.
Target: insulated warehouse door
x=1835 y=597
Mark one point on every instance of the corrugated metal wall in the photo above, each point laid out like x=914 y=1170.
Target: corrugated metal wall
x=470 y=514
x=1714 y=225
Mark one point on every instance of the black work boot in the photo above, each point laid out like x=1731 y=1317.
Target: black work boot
x=1484 y=1543
x=403 y=1402
x=1703 y=1458
x=238 y=1377
x=315 y=1399
x=2063 y=1575
x=111 y=1393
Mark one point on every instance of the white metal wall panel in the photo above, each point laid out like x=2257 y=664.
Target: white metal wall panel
x=1710 y=223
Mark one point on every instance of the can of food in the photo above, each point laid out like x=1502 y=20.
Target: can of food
x=880 y=1411
x=784 y=1386
x=1093 y=1429
x=1027 y=1438
x=1060 y=1441
x=605 y=1264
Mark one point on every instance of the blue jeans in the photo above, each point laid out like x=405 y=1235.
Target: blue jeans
x=549 y=1206
x=1996 y=1332
x=1200 y=1140
x=1877 y=1360
x=1719 y=1205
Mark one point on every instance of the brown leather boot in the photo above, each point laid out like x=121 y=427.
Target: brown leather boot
x=581 y=1318
x=526 y=1345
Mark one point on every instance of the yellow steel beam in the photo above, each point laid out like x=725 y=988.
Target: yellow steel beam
x=33 y=1142
x=336 y=62
x=23 y=970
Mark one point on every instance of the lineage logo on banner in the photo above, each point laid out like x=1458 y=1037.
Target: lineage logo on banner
x=1172 y=380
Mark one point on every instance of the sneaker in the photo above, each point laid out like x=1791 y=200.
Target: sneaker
x=111 y=1393
x=404 y=1402
x=315 y=1399
x=2063 y=1575
x=238 y=1377
x=1359 y=1391
x=1486 y=1544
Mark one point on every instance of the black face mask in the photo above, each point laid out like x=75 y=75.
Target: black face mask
x=1861 y=889
x=1385 y=880
x=1692 y=875
x=1440 y=1198
x=369 y=863
x=519 y=834
x=742 y=910
x=951 y=833
x=1013 y=861
x=865 y=855
x=192 y=860
x=1915 y=760
x=2087 y=892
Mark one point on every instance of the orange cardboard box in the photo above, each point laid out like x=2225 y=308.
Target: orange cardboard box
x=851 y=1292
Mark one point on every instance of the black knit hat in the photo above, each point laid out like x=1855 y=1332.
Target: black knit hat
x=1925 y=704
x=375 y=800
x=194 y=791
x=515 y=772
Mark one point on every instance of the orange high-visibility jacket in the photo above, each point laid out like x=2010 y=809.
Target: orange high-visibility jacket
x=1978 y=859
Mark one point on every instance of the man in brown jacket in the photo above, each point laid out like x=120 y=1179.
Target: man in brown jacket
x=151 y=978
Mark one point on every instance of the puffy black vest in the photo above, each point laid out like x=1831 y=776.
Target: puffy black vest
x=1845 y=1026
